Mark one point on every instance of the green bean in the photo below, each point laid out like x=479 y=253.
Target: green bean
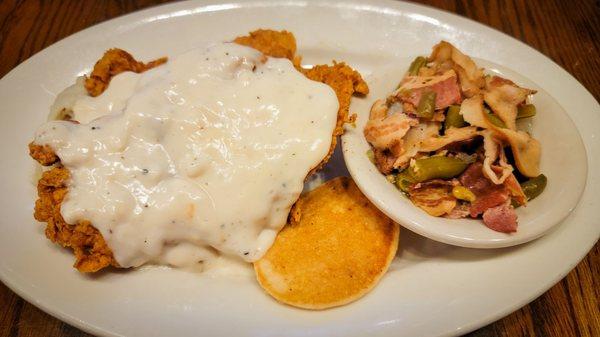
x=534 y=186
x=526 y=110
x=371 y=155
x=404 y=180
x=494 y=119
x=463 y=193
x=429 y=168
x=437 y=167
x=419 y=62
x=453 y=118
x=426 y=106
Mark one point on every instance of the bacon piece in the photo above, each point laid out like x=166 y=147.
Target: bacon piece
x=379 y=110
x=452 y=135
x=492 y=198
x=409 y=109
x=471 y=78
x=487 y=194
x=515 y=190
x=436 y=182
x=472 y=111
x=493 y=151
x=460 y=211
x=384 y=161
x=503 y=96
x=526 y=150
x=501 y=218
x=434 y=197
x=445 y=87
x=387 y=133
x=412 y=142
x=474 y=180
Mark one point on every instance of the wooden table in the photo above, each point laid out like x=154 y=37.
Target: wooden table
x=566 y=31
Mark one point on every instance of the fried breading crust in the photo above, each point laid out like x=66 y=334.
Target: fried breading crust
x=91 y=251
x=113 y=62
x=270 y=42
x=43 y=154
x=345 y=81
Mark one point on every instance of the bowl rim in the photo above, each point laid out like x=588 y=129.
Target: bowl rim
x=418 y=225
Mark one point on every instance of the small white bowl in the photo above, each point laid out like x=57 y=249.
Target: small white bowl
x=564 y=162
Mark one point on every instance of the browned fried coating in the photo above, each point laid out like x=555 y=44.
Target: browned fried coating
x=345 y=81
x=113 y=62
x=270 y=42
x=91 y=251
x=43 y=154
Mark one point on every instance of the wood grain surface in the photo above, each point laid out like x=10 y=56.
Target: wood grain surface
x=566 y=31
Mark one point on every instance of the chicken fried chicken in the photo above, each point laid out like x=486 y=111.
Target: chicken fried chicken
x=91 y=251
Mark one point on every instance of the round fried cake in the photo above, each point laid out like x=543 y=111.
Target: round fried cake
x=334 y=249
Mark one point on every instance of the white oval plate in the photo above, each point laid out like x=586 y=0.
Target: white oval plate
x=432 y=289
x=564 y=162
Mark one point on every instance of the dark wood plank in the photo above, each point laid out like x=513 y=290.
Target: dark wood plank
x=566 y=31
x=29 y=26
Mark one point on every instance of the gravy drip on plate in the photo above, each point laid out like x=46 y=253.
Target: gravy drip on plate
x=201 y=157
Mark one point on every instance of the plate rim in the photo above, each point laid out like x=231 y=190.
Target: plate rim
x=381 y=4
